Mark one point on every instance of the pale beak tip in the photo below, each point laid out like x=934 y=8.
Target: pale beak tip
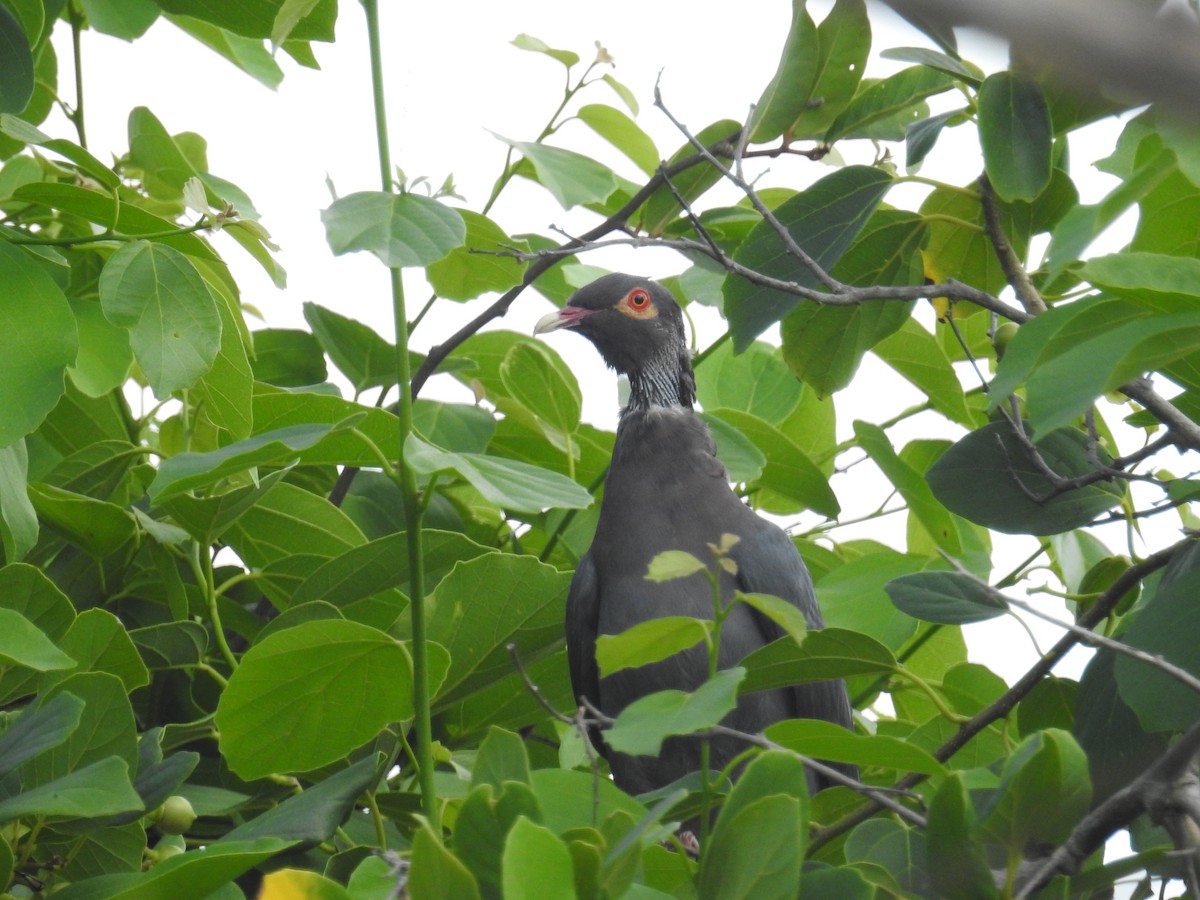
x=550 y=322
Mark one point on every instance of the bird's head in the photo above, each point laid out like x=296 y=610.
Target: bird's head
x=637 y=326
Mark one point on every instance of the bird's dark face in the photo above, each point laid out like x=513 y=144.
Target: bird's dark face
x=630 y=320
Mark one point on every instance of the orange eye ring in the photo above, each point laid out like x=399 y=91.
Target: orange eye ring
x=639 y=299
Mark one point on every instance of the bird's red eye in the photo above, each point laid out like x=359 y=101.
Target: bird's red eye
x=639 y=299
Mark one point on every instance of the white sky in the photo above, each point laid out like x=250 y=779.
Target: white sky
x=451 y=76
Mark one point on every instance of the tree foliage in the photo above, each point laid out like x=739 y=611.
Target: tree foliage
x=274 y=636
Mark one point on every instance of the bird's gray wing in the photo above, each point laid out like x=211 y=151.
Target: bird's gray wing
x=768 y=563
x=583 y=609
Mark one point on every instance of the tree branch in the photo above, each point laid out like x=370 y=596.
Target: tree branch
x=1005 y=704
x=1152 y=791
x=1014 y=271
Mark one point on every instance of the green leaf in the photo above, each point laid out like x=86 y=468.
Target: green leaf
x=226 y=390
x=361 y=354
x=1058 y=392
x=661 y=208
x=536 y=865
x=98 y=642
x=626 y=95
x=23 y=644
x=288 y=520
x=783 y=613
x=1144 y=276
x=187 y=471
x=16 y=64
x=256 y=18
x=920 y=137
x=824 y=740
x=382 y=565
x=758 y=854
x=550 y=396
x=104 y=352
x=125 y=19
x=106 y=729
x=880 y=103
x=436 y=872
x=304 y=675
x=22 y=131
x=524 y=607
x=95 y=526
x=174 y=326
x=198 y=872
x=826 y=653
x=743 y=461
x=956 y=863
x=38 y=340
x=959 y=68
x=648 y=642
x=1160 y=702
x=853 y=594
x=789 y=473
x=823 y=220
x=535 y=45
x=755 y=381
x=316 y=813
x=988 y=478
x=165 y=168
x=247 y=54
x=475 y=268
x=508 y=483
x=1015 y=132
x=99 y=789
x=18 y=519
x=99 y=207
x=644 y=724
x=623 y=133
x=288 y=358
x=672 y=564
x=923 y=503
x=573 y=179
x=171 y=645
x=818 y=73
x=947 y=598
x=897 y=850
x=918 y=356
x=400 y=229
x=1044 y=790
x=501 y=758
x=955 y=252
x=38 y=728
x=28 y=592
x=822 y=344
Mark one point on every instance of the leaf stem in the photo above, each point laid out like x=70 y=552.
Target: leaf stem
x=202 y=567
x=406 y=479
x=76 y=115
x=110 y=235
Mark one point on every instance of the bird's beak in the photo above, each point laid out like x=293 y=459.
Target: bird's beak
x=567 y=317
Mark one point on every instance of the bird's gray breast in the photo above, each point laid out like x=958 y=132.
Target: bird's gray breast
x=665 y=491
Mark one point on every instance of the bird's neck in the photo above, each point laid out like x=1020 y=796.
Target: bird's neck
x=664 y=381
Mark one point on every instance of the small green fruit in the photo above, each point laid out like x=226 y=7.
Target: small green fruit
x=177 y=815
x=1003 y=336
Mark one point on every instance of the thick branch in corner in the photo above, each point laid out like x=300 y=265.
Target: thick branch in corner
x=1150 y=792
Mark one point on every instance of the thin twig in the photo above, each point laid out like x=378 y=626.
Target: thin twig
x=789 y=243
